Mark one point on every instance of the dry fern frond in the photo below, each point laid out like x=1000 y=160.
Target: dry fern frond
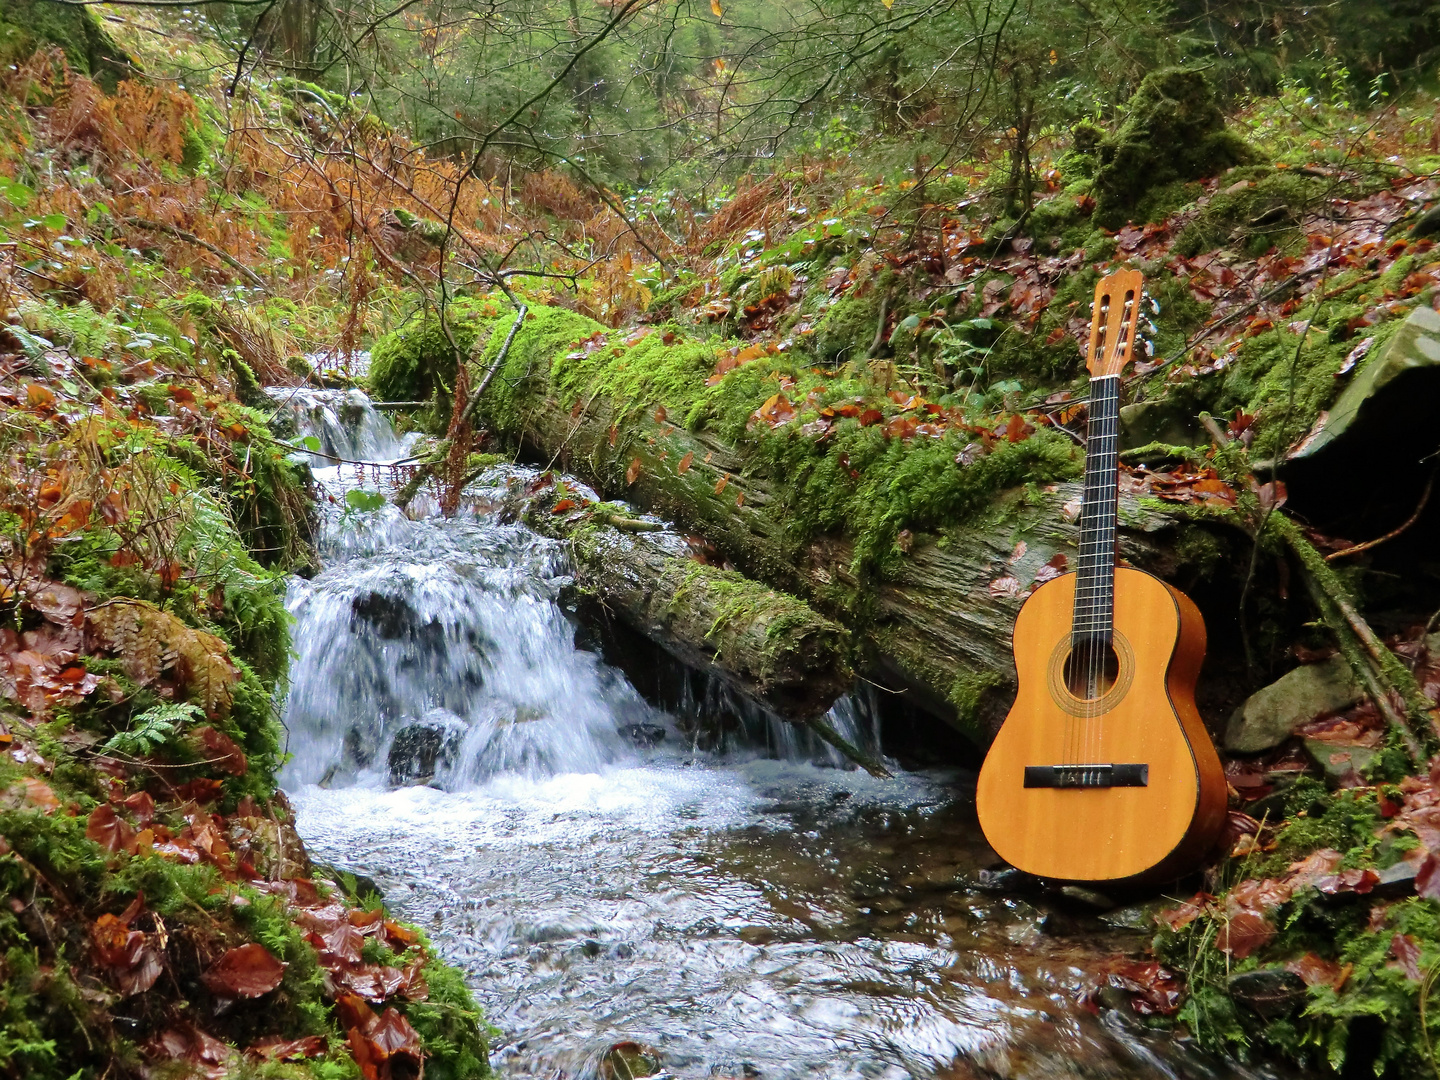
x=155 y=645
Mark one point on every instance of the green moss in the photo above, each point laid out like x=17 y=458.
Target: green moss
x=1261 y=208
x=451 y=1025
x=417 y=360
x=847 y=330
x=541 y=348
x=28 y=25
x=1173 y=131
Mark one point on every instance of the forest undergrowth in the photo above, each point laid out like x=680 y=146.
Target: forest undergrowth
x=885 y=348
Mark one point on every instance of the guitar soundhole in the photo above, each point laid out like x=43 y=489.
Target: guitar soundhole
x=1091 y=670
x=1089 y=679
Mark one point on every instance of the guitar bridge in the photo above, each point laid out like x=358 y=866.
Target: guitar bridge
x=1086 y=776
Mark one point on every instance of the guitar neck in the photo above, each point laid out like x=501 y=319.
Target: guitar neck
x=1094 y=612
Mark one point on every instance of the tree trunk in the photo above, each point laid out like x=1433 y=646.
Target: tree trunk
x=766 y=644
x=938 y=630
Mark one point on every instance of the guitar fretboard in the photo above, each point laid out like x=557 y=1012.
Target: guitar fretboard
x=1095 y=581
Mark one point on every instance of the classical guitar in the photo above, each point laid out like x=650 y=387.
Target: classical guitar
x=1103 y=769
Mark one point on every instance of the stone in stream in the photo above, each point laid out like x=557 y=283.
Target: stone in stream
x=422 y=749
x=1270 y=992
x=629 y=1061
x=393 y=618
x=1270 y=715
x=642 y=734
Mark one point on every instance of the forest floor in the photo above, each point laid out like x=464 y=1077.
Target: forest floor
x=829 y=359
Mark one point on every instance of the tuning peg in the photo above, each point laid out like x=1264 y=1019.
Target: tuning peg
x=1149 y=329
x=1154 y=305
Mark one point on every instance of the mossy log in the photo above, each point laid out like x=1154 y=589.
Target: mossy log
x=771 y=647
x=937 y=626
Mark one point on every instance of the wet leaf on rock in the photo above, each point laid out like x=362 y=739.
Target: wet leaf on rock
x=247 y=971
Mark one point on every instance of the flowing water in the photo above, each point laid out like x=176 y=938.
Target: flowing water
x=751 y=909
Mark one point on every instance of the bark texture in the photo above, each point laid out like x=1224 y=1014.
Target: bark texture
x=768 y=645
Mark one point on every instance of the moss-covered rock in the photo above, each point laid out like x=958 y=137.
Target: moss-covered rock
x=27 y=25
x=1173 y=131
x=1260 y=209
x=417 y=359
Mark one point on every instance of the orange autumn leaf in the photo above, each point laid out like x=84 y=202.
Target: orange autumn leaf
x=685 y=461
x=562 y=506
x=633 y=472
x=660 y=414
x=720 y=484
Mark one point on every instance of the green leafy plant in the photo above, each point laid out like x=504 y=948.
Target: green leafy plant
x=153 y=728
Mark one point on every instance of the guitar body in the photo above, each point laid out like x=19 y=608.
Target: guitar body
x=1091 y=825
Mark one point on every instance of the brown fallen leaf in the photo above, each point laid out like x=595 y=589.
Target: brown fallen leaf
x=276 y=1049
x=1181 y=916
x=247 y=971
x=685 y=461
x=221 y=750
x=633 y=472
x=126 y=955
x=720 y=484
x=1317 y=971
x=35 y=792
x=1406 y=951
x=1243 y=933
x=108 y=829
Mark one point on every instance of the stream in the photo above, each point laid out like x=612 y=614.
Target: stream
x=747 y=906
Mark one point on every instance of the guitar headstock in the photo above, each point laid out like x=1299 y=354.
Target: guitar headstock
x=1113 y=320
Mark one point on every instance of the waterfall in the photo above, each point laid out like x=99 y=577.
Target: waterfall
x=437 y=651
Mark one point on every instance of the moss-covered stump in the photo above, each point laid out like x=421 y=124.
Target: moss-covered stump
x=1173 y=131
x=771 y=647
x=28 y=25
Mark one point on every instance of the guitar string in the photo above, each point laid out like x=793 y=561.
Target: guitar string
x=1076 y=725
x=1105 y=555
x=1096 y=600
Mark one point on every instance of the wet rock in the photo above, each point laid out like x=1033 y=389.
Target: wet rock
x=1139 y=917
x=1397 y=880
x=1270 y=992
x=357 y=887
x=393 y=618
x=359 y=746
x=422 y=749
x=1270 y=715
x=1163 y=420
x=1338 y=762
x=1362 y=468
x=1087 y=898
x=629 y=1061
x=1382 y=386
x=642 y=734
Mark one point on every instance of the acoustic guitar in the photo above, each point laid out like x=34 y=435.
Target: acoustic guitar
x=1103 y=770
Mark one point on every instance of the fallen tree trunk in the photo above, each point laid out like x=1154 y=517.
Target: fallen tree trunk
x=938 y=627
x=766 y=644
